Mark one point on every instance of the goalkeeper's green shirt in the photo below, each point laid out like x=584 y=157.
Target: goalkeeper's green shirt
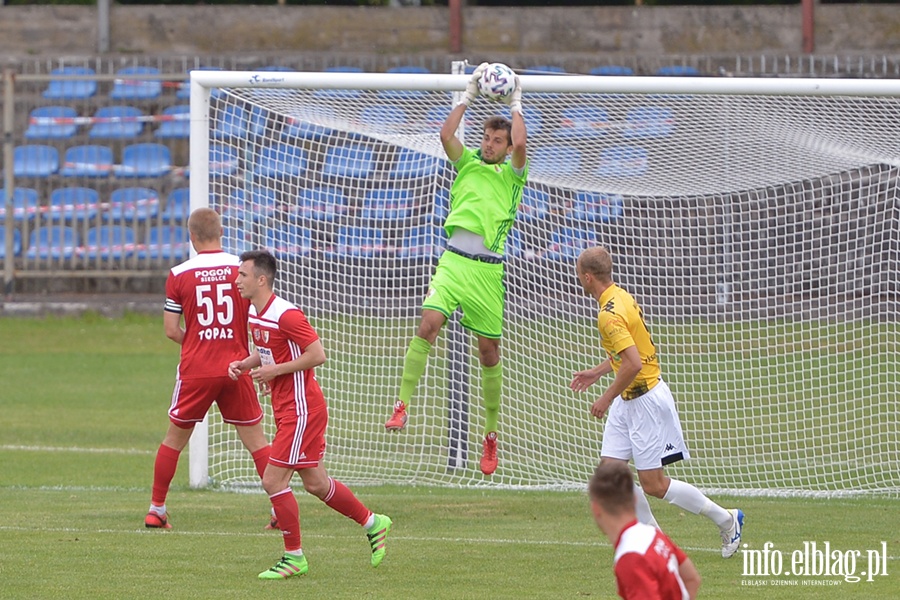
x=484 y=198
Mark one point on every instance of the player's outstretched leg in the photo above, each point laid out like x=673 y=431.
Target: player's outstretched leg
x=399 y=418
x=290 y=565
x=731 y=536
x=377 y=535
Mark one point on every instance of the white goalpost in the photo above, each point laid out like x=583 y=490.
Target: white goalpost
x=756 y=221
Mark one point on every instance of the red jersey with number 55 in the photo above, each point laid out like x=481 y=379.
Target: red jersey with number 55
x=280 y=333
x=215 y=316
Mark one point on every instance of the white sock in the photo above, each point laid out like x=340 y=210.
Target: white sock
x=158 y=510
x=294 y=552
x=644 y=514
x=686 y=496
x=369 y=522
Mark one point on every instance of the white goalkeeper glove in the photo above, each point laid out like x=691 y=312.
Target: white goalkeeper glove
x=472 y=91
x=514 y=100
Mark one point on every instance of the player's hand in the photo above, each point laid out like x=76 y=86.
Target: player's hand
x=582 y=380
x=264 y=374
x=472 y=87
x=514 y=100
x=599 y=408
x=234 y=369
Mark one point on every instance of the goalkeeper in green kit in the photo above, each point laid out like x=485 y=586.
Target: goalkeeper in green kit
x=484 y=200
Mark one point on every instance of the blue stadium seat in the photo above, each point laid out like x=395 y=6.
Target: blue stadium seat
x=288 y=240
x=583 y=122
x=645 y=122
x=352 y=160
x=535 y=204
x=17 y=243
x=178 y=206
x=567 y=243
x=404 y=94
x=166 y=242
x=383 y=118
x=145 y=160
x=357 y=242
x=435 y=117
x=280 y=160
x=53 y=242
x=26 y=204
x=553 y=161
x=70 y=89
x=130 y=86
x=132 y=204
x=677 y=71
x=120 y=122
x=324 y=204
x=223 y=160
x=307 y=125
x=237 y=240
x=232 y=122
x=596 y=207
x=109 y=242
x=74 y=203
x=385 y=205
x=233 y=207
x=56 y=122
x=623 y=161
x=277 y=68
x=340 y=93
x=544 y=70
x=614 y=70
x=515 y=245
x=35 y=160
x=409 y=164
x=88 y=161
x=441 y=207
x=179 y=123
x=424 y=241
x=264 y=203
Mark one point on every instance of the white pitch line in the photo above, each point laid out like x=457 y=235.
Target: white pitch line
x=76 y=449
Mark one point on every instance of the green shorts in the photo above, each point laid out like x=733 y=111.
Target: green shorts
x=475 y=287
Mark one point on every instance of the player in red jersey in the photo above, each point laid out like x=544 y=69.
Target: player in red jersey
x=648 y=565
x=287 y=352
x=201 y=290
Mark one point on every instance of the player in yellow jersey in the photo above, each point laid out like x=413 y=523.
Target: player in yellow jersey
x=643 y=423
x=484 y=201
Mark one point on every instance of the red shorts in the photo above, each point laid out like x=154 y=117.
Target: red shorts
x=237 y=400
x=299 y=441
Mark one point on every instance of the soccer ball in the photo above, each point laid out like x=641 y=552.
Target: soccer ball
x=497 y=82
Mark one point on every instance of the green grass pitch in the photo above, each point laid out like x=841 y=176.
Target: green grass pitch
x=83 y=406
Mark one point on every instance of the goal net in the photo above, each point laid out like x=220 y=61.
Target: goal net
x=754 y=220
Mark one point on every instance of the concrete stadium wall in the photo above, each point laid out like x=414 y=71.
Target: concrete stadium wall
x=613 y=30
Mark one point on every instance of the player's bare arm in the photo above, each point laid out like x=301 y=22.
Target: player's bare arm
x=172 y=325
x=582 y=380
x=690 y=576
x=628 y=370
x=311 y=357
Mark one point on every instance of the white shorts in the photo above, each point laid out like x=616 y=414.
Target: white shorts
x=646 y=429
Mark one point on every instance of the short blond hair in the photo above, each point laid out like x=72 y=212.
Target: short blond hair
x=598 y=262
x=205 y=225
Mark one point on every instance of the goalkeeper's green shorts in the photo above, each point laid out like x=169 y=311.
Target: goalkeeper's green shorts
x=475 y=287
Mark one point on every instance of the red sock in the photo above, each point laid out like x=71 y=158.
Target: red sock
x=261 y=459
x=163 y=472
x=341 y=499
x=288 y=514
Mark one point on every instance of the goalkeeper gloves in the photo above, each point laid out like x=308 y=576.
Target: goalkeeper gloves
x=472 y=87
x=514 y=100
